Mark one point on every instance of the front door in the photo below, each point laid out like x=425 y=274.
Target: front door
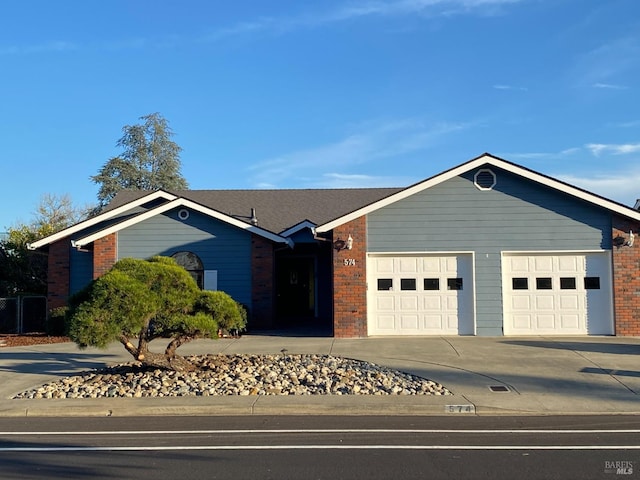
x=295 y=288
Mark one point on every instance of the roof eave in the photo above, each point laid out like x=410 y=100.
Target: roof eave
x=180 y=202
x=100 y=218
x=475 y=163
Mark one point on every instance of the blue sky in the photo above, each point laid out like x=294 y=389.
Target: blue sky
x=294 y=94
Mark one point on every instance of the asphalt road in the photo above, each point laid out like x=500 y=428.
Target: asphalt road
x=309 y=447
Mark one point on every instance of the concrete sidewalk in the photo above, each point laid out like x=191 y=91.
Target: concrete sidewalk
x=537 y=376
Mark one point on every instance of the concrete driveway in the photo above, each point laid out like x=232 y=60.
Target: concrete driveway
x=487 y=375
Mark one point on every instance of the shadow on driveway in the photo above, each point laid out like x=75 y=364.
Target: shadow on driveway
x=592 y=346
x=610 y=371
x=49 y=363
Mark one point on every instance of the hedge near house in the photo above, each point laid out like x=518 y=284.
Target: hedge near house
x=141 y=300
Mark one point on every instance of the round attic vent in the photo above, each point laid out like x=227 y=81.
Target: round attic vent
x=183 y=214
x=484 y=179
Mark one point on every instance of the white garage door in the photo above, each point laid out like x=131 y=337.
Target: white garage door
x=420 y=295
x=557 y=294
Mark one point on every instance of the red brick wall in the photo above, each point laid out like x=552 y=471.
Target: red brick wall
x=58 y=273
x=350 y=281
x=262 y=286
x=105 y=254
x=626 y=279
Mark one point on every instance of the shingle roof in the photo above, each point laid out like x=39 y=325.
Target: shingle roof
x=276 y=210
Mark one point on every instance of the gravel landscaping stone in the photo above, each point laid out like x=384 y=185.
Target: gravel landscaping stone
x=242 y=375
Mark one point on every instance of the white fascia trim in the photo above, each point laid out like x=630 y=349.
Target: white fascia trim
x=407 y=192
x=421 y=253
x=465 y=167
x=104 y=216
x=550 y=252
x=180 y=202
x=563 y=187
x=298 y=227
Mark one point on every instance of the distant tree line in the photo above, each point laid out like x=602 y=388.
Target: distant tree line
x=149 y=160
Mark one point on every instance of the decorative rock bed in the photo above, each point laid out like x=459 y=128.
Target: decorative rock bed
x=242 y=375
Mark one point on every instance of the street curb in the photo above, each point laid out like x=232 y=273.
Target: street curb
x=232 y=406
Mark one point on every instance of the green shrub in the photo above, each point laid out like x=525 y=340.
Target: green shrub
x=230 y=315
x=56 y=321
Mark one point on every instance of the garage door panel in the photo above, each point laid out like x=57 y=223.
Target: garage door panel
x=409 y=322
x=386 y=322
x=520 y=303
x=522 y=322
x=571 y=302
x=568 y=265
x=431 y=265
x=407 y=265
x=570 y=322
x=432 y=302
x=433 y=322
x=543 y=264
x=383 y=265
x=385 y=304
x=519 y=264
x=545 y=322
x=452 y=303
x=420 y=301
x=544 y=302
x=557 y=293
x=409 y=303
x=451 y=264
x=452 y=322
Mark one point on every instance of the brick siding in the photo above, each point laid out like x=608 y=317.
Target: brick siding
x=350 y=281
x=105 y=254
x=58 y=274
x=626 y=279
x=262 y=276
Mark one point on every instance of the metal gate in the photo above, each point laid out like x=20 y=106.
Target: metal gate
x=9 y=318
x=26 y=314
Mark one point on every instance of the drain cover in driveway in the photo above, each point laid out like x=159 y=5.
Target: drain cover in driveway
x=499 y=388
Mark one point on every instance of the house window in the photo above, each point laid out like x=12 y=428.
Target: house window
x=520 y=283
x=454 y=284
x=407 y=284
x=567 y=283
x=385 y=284
x=432 y=284
x=544 y=283
x=192 y=264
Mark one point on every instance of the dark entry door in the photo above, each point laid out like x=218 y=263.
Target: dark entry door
x=296 y=288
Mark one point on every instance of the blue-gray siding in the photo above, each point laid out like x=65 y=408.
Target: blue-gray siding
x=517 y=215
x=220 y=246
x=81 y=269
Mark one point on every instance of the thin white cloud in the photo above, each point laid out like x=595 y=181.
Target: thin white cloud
x=615 y=149
x=341 y=180
x=279 y=25
x=407 y=7
x=387 y=140
x=360 y=10
x=631 y=124
x=541 y=155
x=49 y=47
x=609 y=86
x=622 y=187
x=509 y=87
x=610 y=61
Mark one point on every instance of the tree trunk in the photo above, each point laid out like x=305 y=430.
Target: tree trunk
x=161 y=360
x=175 y=343
x=166 y=361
